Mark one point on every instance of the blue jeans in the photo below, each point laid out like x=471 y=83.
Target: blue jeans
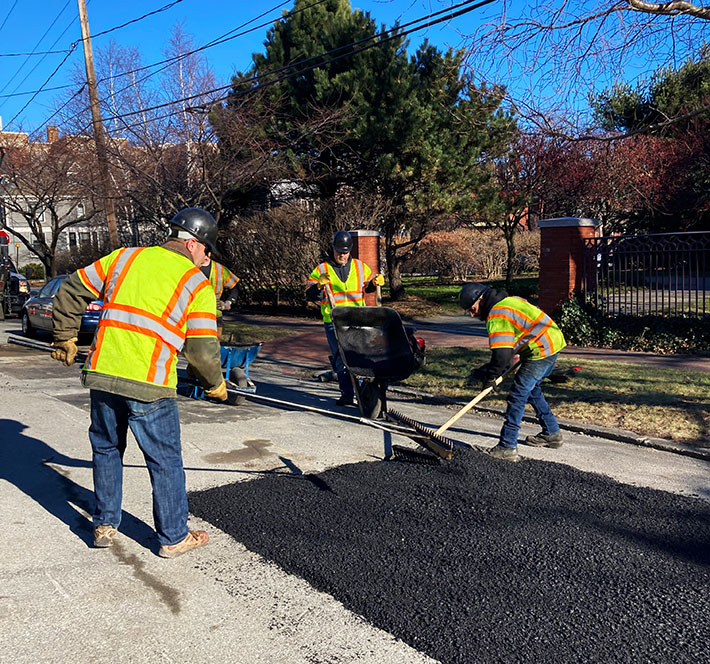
x=156 y=428
x=344 y=382
x=526 y=389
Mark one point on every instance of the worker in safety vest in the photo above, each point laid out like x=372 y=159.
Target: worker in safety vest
x=157 y=303
x=224 y=282
x=516 y=327
x=348 y=280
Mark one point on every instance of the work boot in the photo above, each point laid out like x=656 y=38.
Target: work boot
x=506 y=453
x=345 y=400
x=194 y=540
x=103 y=536
x=553 y=440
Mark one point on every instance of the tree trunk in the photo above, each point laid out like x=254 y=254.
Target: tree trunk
x=394 y=275
x=510 y=244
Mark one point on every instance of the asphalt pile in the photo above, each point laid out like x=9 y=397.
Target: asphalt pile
x=479 y=560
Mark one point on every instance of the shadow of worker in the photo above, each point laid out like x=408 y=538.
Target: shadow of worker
x=24 y=463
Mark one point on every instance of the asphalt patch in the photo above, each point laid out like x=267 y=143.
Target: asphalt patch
x=479 y=560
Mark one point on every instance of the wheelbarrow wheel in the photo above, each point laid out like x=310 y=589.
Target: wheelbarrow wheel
x=371 y=399
x=238 y=376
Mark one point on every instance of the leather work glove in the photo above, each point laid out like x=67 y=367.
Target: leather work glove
x=224 y=305
x=219 y=392
x=379 y=279
x=489 y=383
x=65 y=351
x=323 y=280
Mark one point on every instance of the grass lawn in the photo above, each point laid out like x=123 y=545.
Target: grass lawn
x=245 y=333
x=646 y=400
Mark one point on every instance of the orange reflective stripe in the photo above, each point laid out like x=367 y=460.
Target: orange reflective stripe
x=142 y=312
x=178 y=291
x=133 y=328
x=201 y=332
x=202 y=314
x=157 y=349
x=200 y=286
x=122 y=276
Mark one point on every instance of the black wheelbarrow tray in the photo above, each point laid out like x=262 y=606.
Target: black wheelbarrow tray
x=376 y=349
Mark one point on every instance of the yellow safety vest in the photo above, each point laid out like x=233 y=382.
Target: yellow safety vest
x=222 y=279
x=154 y=299
x=348 y=293
x=515 y=323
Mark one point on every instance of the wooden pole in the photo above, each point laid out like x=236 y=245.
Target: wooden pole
x=99 y=136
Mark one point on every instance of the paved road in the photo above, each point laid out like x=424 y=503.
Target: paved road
x=64 y=601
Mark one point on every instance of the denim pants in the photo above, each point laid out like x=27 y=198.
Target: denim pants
x=526 y=389
x=156 y=428
x=344 y=381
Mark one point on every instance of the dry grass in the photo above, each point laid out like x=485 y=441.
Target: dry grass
x=245 y=333
x=649 y=401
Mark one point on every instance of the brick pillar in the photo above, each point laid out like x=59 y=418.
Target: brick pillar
x=366 y=247
x=561 y=258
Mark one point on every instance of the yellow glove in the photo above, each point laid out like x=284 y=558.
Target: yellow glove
x=66 y=351
x=379 y=279
x=219 y=392
x=323 y=280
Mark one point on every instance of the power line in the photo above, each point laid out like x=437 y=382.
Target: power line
x=18 y=55
x=31 y=99
x=135 y=20
x=397 y=35
x=51 y=25
x=7 y=16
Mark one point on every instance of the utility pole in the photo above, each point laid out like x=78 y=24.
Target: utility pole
x=99 y=136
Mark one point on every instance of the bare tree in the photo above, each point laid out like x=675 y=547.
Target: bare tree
x=560 y=52
x=51 y=186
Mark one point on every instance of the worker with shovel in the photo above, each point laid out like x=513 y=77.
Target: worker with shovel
x=224 y=282
x=348 y=280
x=516 y=327
x=156 y=304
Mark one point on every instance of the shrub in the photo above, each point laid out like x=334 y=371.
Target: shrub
x=583 y=325
x=33 y=271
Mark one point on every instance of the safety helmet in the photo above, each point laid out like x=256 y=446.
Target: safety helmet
x=342 y=242
x=198 y=223
x=470 y=293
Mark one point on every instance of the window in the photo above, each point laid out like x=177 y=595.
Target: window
x=80 y=211
x=72 y=239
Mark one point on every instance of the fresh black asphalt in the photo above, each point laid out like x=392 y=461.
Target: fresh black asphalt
x=479 y=560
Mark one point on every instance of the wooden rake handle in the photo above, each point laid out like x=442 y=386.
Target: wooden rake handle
x=481 y=395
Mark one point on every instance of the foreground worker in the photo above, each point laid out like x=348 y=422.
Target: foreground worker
x=516 y=327
x=156 y=303
x=348 y=280
x=224 y=283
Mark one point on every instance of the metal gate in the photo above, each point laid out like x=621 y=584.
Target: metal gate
x=663 y=274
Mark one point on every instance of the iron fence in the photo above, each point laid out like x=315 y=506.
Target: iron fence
x=648 y=275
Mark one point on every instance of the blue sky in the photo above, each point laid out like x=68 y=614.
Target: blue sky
x=52 y=25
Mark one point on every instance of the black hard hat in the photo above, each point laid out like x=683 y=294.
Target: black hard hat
x=198 y=223
x=470 y=293
x=342 y=242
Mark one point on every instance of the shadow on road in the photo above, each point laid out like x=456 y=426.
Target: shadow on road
x=29 y=464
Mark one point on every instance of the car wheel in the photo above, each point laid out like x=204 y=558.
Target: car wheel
x=27 y=328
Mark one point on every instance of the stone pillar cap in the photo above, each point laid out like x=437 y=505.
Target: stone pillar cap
x=365 y=233
x=562 y=222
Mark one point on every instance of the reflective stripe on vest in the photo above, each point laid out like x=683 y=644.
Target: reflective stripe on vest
x=515 y=323
x=141 y=331
x=218 y=281
x=345 y=294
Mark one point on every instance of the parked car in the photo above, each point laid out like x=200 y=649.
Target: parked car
x=37 y=311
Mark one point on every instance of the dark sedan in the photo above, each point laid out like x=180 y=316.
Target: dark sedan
x=37 y=311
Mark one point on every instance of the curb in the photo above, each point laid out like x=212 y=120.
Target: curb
x=619 y=435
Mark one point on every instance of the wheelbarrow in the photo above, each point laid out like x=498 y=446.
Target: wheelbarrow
x=376 y=349
x=235 y=361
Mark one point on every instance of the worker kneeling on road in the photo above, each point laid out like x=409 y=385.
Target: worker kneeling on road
x=156 y=303
x=516 y=327
x=348 y=279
